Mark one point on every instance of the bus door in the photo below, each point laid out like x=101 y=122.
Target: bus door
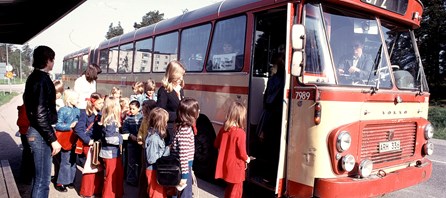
x=267 y=106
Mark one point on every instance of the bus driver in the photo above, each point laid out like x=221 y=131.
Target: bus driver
x=357 y=65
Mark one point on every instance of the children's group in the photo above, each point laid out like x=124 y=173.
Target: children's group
x=114 y=139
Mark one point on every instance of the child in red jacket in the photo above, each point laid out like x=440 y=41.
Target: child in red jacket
x=232 y=158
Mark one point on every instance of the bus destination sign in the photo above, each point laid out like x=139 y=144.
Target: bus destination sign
x=399 y=7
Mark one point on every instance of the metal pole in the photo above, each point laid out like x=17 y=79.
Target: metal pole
x=6 y=47
x=20 y=65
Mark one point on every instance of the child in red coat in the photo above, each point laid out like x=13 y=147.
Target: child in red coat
x=232 y=158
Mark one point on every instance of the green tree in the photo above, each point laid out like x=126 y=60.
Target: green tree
x=26 y=60
x=432 y=45
x=149 y=19
x=114 y=31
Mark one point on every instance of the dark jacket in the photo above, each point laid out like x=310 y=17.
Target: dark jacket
x=169 y=102
x=111 y=141
x=365 y=64
x=94 y=132
x=40 y=101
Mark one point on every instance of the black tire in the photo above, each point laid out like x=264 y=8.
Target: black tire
x=205 y=157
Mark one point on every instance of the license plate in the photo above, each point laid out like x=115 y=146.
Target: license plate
x=389 y=146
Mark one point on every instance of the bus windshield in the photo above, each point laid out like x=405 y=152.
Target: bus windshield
x=358 y=55
x=405 y=62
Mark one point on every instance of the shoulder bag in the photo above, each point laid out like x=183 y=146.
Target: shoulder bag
x=168 y=170
x=66 y=139
x=79 y=143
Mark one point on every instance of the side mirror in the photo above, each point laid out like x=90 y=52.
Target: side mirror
x=297 y=63
x=298 y=43
x=298 y=36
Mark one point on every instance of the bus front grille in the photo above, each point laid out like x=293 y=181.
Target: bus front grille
x=373 y=134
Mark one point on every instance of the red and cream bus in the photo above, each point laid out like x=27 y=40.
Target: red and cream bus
x=347 y=124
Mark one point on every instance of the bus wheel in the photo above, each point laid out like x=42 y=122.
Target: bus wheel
x=205 y=154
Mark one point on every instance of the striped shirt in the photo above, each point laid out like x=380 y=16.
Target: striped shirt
x=184 y=149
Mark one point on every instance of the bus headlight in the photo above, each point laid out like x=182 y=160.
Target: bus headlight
x=365 y=168
x=348 y=162
x=428 y=148
x=428 y=131
x=344 y=141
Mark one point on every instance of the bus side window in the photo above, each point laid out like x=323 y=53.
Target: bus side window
x=143 y=56
x=194 y=42
x=113 y=59
x=229 y=34
x=125 y=58
x=166 y=50
x=103 y=60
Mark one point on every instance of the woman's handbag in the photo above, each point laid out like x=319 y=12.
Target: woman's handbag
x=95 y=154
x=168 y=171
x=66 y=139
x=89 y=167
x=79 y=146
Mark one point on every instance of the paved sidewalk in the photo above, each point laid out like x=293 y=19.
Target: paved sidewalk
x=11 y=149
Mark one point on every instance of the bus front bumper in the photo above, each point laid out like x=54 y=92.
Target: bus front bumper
x=369 y=187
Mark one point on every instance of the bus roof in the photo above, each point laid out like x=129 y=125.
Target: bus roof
x=21 y=20
x=407 y=12
x=201 y=15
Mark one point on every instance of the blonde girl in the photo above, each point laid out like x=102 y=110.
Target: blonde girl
x=138 y=89
x=124 y=103
x=170 y=94
x=184 y=142
x=59 y=87
x=232 y=157
x=150 y=89
x=115 y=92
x=155 y=148
x=67 y=117
x=88 y=131
x=110 y=150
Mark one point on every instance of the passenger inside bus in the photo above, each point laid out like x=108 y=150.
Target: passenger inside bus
x=228 y=58
x=270 y=124
x=356 y=65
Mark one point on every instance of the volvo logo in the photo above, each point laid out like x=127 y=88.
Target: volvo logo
x=390 y=135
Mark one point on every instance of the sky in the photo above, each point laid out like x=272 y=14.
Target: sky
x=87 y=25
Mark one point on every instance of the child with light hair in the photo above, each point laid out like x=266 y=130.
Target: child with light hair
x=124 y=103
x=150 y=89
x=59 y=87
x=111 y=142
x=115 y=92
x=67 y=118
x=138 y=89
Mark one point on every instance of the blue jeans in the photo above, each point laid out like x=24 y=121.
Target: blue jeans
x=133 y=162
x=67 y=169
x=42 y=163
x=187 y=191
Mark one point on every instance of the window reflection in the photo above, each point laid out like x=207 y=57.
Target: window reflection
x=103 y=60
x=143 y=56
x=166 y=50
x=194 y=42
x=125 y=58
x=407 y=72
x=227 y=48
x=356 y=48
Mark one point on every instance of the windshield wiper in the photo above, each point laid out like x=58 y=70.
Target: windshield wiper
x=376 y=70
